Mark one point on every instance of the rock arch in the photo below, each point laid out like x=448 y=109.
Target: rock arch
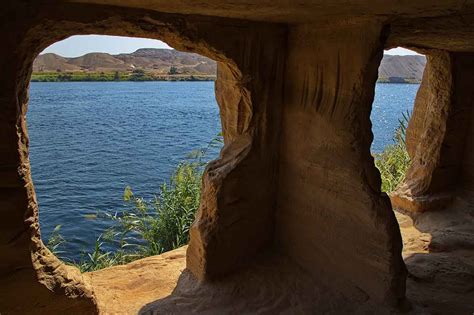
x=247 y=127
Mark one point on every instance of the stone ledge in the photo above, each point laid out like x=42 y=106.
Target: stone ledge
x=408 y=202
x=127 y=288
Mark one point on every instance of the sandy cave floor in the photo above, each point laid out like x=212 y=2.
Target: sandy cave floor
x=438 y=252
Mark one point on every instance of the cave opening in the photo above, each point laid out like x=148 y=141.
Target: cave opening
x=422 y=172
x=118 y=145
x=399 y=77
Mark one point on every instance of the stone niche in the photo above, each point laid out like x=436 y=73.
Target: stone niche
x=292 y=218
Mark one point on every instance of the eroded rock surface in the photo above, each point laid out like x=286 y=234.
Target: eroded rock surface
x=126 y=289
x=439 y=255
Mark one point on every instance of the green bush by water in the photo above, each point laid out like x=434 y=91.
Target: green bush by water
x=146 y=228
x=136 y=75
x=394 y=160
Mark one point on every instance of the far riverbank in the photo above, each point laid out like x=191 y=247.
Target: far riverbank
x=115 y=77
x=139 y=75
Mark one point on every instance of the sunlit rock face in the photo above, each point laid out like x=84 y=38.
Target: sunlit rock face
x=292 y=218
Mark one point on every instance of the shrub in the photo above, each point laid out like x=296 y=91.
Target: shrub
x=394 y=160
x=138 y=75
x=173 y=70
x=147 y=228
x=154 y=227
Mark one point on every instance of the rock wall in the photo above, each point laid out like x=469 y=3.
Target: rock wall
x=235 y=219
x=329 y=202
x=426 y=137
x=32 y=278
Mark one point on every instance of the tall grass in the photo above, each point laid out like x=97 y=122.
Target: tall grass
x=394 y=160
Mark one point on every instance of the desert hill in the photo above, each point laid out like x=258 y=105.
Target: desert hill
x=158 y=61
x=165 y=61
x=397 y=68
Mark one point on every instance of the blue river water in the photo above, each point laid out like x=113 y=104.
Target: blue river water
x=89 y=140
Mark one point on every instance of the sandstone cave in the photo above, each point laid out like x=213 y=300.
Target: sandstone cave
x=292 y=216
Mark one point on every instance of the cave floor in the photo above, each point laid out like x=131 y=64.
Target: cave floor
x=126 y=289
x=438 y=252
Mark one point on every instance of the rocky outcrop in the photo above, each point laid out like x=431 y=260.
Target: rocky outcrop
x=294 y=200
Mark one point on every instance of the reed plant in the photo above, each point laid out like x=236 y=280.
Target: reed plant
x=146 y=227
x=394 y=160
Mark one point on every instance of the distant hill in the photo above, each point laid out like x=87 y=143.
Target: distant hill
x=158 y=61
x=393 y=69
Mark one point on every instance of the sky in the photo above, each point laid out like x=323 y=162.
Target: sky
x=79 y=45
x=400 y=51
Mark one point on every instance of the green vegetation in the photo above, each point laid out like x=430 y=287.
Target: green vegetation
x=393 y=162
x=173 y=70
x=141 y=75
x=145 y=228
x=55 y=241
x=398 y=80
x=135 y=75
x=148 y=228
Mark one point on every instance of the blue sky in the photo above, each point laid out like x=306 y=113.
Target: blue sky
x=79 y=45
x=76 y=46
